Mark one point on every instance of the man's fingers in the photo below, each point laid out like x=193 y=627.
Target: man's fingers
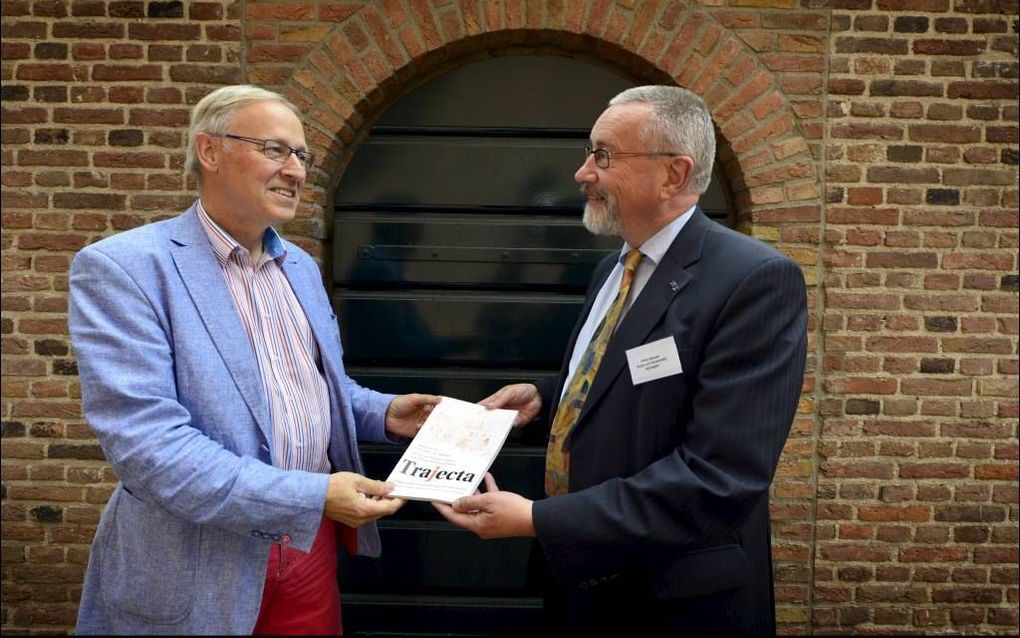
x=467 y=504
x=371 y=509
x=388 y=505
x=495 y=400
x=374 y=488
x=458 y=519
x=426 y=402
x=490 y=483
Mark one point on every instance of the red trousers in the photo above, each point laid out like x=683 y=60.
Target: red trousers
x=301 y=594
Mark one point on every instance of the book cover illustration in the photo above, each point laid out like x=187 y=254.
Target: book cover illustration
x=451 y=452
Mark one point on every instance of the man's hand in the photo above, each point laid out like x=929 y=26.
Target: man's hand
x=354 y=500
x=494 y=514
x=523 y=397
x=407 y=412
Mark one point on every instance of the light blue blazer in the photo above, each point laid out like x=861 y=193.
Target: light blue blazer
x=171 y=388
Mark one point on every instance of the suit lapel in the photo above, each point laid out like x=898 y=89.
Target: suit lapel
x=202 y=277
x=668 y=281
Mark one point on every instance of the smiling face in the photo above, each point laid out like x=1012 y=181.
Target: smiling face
x=244 y=191
x=619 y=196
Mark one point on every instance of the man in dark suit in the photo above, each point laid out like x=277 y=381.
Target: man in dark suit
x=674 y=401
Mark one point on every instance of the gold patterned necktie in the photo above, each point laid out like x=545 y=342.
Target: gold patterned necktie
x=557 y=459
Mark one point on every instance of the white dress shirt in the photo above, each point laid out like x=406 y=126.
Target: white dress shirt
x=653 y=250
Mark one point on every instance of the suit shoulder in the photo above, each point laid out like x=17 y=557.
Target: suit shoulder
x=296 y=252
x=301 y=257
x=132 y=244
x=737 y=247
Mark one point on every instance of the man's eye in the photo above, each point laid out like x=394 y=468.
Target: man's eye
x=274 y=151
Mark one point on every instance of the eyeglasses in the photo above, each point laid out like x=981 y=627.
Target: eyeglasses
x=604 y=157
x=276 y=151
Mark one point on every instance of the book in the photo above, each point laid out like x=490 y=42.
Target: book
x=452 y=452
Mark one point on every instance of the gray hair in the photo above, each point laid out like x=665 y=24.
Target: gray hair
x=680 y=123
x=214 y=114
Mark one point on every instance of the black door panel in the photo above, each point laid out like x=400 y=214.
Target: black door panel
x=457 y=328
x=479 y=251
x=465 y=171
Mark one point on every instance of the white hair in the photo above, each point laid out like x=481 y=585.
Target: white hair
x=680 y=123
x=215 y=113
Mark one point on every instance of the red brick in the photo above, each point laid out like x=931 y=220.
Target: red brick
x=975 y=90
x=934 y=470
x=958 y=594
x=287 y=11
x=855 y=553
x=880 y=216
x=205 y=11
x=916 y=513
x=924 y=46
x=84 y=30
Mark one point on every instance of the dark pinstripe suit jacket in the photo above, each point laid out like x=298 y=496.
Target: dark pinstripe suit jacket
x=669 y=480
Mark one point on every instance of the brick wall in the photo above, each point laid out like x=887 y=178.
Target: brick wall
x=875 y=141
x=917 y=488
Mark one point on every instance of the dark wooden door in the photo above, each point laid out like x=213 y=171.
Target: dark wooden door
x=460 y=265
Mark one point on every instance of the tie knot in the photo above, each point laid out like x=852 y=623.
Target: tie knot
x=633 y=259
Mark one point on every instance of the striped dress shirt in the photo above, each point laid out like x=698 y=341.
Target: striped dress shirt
x=284 y=347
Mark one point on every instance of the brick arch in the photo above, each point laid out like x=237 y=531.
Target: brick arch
x=377 y=53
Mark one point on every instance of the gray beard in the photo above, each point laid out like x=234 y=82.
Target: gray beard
x=604 y=222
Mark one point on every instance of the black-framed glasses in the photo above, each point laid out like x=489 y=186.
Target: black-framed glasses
x=276 y=151
x=604 y=157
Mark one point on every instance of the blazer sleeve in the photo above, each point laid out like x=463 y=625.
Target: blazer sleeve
x=127 y=370
x=744 y=398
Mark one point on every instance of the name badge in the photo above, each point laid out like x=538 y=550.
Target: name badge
x=654 y=360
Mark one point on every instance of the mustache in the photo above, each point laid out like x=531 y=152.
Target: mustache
x=588 y=191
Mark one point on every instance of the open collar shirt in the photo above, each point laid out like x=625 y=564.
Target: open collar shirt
x=284 y=347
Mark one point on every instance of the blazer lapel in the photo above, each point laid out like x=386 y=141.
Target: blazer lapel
x=202 y=277
x=668 y=281
x=306 y=290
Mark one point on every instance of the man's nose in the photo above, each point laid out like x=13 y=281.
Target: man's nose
x=293 y=166
x=586 y=172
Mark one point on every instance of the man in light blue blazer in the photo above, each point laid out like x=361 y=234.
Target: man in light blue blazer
x=212 y=374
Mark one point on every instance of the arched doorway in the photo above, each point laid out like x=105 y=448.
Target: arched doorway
x=460 y=264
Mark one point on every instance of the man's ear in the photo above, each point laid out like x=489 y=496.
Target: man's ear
x=208 y=151
x=679 y=169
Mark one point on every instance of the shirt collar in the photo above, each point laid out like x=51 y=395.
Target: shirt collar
x=224 y=245
x=655 y=247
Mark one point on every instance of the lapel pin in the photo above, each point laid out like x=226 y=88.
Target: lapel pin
x=673 y=286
